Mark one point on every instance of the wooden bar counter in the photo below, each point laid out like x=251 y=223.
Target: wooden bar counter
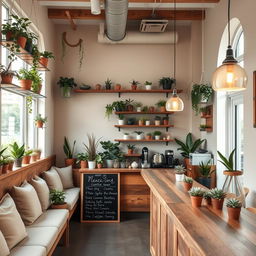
x=176 y=228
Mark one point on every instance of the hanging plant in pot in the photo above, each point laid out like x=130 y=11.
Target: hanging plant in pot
x=166 y=83
x=217 y=198
x=58 y=199
x=69 y=152
x=17 y=153
x=91 y=150
x=40 y=121
x=234 y=208
x=205 y=171
x=179 y=173
x=134 y=84
x=82 y=159
x=66 y=84
x=201 y=93
x=44 y=57
x=111 y=152
x=196 y=195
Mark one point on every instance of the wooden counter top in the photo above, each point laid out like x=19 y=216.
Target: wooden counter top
x=110 y=170
x=203 y=231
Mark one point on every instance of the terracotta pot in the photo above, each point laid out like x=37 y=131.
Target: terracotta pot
x=187 y=186
x=118 y=87
x=6 y=78
x=25 y=84
x=26 y=159
x=186 y=161
x=151 y=109
x=134 y=87
x=165 y=122
x=234 y=213
x=148 y=137
x=39 y=124
x=34 y=158
x=83 y=164
x=99 y=166
x=130 y=108
x=70 y=161
x=130 y=151
x=162 y=109
x=59 y=206
x=97 y=86
x=5 y=168
x=1 y=169
x=196 y=201
x=44 y=61
x=38 y=155
x=9 y=36
x=217 y=204
x=208 y=201
x=141 y=122
x=10 y=167
x=21 y=41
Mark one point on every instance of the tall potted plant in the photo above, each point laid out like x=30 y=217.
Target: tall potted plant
x=69 y=152
x=111 y=153
x=17 y=153
x=36 y=81
x=66 y=84
x=91 y=150
x=189 y=146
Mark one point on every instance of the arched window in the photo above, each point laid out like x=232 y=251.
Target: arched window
x=238 y=45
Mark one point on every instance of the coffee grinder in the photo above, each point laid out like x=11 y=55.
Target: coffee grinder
x=169 y=159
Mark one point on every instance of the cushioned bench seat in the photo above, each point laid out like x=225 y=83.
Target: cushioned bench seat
x=28 y=251
x=72 y=196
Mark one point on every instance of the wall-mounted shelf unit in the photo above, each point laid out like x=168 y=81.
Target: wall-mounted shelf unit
x=144 y=126
x=19 y=90
x=143 y=113
x=24 y=55
x=119 y=92
x=208 y=116
x=144 y=140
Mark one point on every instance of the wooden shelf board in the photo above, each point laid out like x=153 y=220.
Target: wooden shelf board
x=24 y=55
x=132 y=155
x=144 y=140
x=144 y=126
x=143 y=113
x=124 y=91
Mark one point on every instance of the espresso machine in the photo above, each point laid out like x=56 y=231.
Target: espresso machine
x=144 y=158
x=169 y=159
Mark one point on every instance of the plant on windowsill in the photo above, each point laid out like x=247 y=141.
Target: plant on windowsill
x=205 y=171
x=91 y=150
x=37 y=153
x=196 y=195
x=44 y=57
x=82 y=158
x=204 y=127
x=26 y=78
x=134 y=84
x=131 y=149
x=40 y=121
x=148 y=85
x=6 y=74
x=234 y=208
x=111 y=152
x=69 y=152
x=161 y=105
x=27 y=156
x=187 y=183
x=201 y=93
x=217 y=198
x=57 y=198
x=166 y=83
x=17 y=153
x=66 y=84
x=5 y=163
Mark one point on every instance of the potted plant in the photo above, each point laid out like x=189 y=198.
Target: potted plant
x=203 y=127
x=66 y=84
x=229 y=163
x=98 y=87
x=207 y=198
x=58 y=199
x=138 y=106
x=37 y=152
x=201 y=93
x=157 y=120
x=33 y=157
x=17 y=153
x=134 y=84
x=144 y=109
x=161 y=105
x=69 y=152
x=130 y=149
x=5 y=163
x=141 y=121
x=234 y=208
x=111 y=153
x=44 y=57
x=108 y=84
x=6 y=74
x=151 y=109
x=149 y=136
x=99 y=161
x=121 y=120
x=126 y=136
x=205 y=171
x=166 y=83
x=82 y=158
x=187 y=183
x=26 y=78
x=148 y=85
x=189 y=146
x=217 y=196
x=40 y=121
x=179 y=173
x=147 y=122
x=157 y=135
x=139 y=135
x=129 y=106
x=91 y=150
x=118 y=87
x=31 y=43
x=196 y=195
x=36 y=81
x=27 y=156
x=118 y=106
x=165 y=121
x=131 y=121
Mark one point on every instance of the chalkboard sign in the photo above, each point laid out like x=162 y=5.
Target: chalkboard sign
x=100 y=202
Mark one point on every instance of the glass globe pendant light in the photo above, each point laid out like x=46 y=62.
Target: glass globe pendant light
x=174 y=103
x=230 y=76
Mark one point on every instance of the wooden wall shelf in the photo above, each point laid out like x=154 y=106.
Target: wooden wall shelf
x=208 y=116
x=24 y=55
x=143 y=113
x=144 y=140
x=144 y=126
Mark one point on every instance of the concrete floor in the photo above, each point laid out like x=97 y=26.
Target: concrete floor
x=130 y=237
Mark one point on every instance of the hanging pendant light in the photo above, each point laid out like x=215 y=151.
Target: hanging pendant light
x=174 y=103
x=230 y=76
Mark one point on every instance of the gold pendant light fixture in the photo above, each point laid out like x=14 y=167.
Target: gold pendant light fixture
x=230 y=76
x=174 y=103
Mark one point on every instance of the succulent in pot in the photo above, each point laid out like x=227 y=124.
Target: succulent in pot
x=205 y=170
x=144 y=109
x=6 y=74
x=134 y=84
x=217 y=196
x=129 y=105
x=139 y=135
x=130 y=149
x=40 y=121
x=166 y=83
x=179 y=173
x=69 y=152
x=108 y=84
x=148 y=85
x=157 y=120
x=228 y=162
x=187 y=183
x=161 y=105
x=27 y=156
x=157 y=135
x=121 y=120
x=91 y=150
x=5 y=163
x=207 y=198
x=234 y=208
x=82 y=158
x=196 y=195
x=66 y=84
x=57 y=198
x=126 y=136
x=17 y=153
x=44 y=57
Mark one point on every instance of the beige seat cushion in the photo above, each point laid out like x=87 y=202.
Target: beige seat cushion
x=52 y=218
x=27 y=202
x=42 y=190
x=72 y=196
x=66 y=176
x=53 y=180
x=11 y=223
x=4 y=250
x=28 y=251
x=40 y=236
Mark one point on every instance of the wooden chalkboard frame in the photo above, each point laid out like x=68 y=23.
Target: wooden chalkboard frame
x=254 y=99
x=82 y=200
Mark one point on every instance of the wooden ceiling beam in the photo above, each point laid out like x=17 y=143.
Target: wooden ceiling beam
x=132 y=14
x=147 y=1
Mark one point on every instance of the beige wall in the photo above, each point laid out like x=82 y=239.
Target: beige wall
x=82 y=114
x=214 y=27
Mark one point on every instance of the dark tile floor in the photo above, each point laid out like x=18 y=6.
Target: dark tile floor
x=130 y=237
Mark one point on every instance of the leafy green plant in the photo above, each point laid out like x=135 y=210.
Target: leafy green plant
x=161 y=103
x=233 y=203
x=121 y=117
x=108 y=84
x=199 y=93
x=25 y=74
x=179 y=169
x=67 y=82
x=189 y=146
x=134 y=82
x=6 y=70
x=196 y=191
x=28 y=152
x=99 y=159
x=46 y=54
x=228 y=162
x=91 y=148
x=216 y=193
x=40 y=118
x=148 y=83
x=112 y=150
x=137 y=104
x=132 y=147
x=81 y=157
x=69 y=152
x=157 y=133
x=149 y=134
x=36 y=80
x=145 y=109
x=188 y=180
x=205 y=169
x=17 y=151
x=138 y=132
x=118 y=106
x=57 y=197
x=166 y=82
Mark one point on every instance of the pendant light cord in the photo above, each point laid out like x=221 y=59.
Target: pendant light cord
x=174 y=49
x=229 y=41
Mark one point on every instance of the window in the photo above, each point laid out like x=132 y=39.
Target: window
x=238 y=45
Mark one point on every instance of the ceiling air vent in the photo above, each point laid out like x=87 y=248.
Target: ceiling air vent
x=153 y=26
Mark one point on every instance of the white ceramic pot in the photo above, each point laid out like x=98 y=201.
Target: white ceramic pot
x=126 y=137
x=147 y=122
x=134 y=165
x=139 y=137
x=157 y=137
x=157 y=122
x=91 y=165
x=138 y=109
x=148 y=87
x=179 y=177
x=121 y=122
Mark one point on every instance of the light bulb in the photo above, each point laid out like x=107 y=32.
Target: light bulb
x=174 y=103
